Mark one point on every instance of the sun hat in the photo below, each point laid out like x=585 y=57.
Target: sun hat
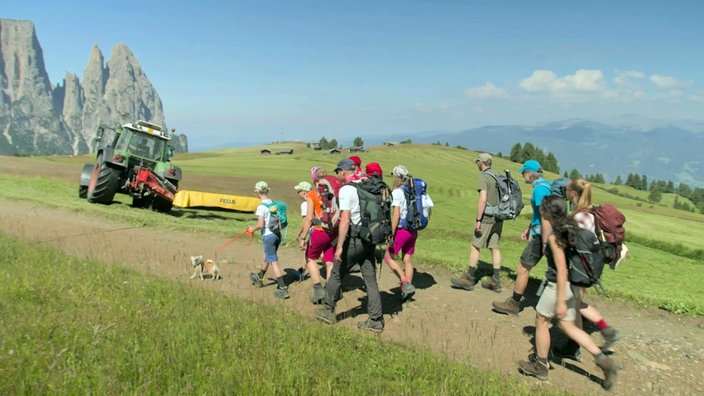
x=345 y=164
x=303 y=186
x=357 y=161
x=530 y=165
x=261 y=186
x=483 y=157
x=373 y=168
x=400 y=171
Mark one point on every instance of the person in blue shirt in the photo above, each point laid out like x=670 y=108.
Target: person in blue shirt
x=536 y=234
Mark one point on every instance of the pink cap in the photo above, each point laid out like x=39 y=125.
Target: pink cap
x=313 y=171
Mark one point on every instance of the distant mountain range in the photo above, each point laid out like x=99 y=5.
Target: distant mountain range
x=661 y=151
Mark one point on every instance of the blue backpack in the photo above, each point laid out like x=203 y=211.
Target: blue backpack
x=415 y=190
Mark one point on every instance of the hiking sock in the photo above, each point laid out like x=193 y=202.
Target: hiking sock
x=280 y=281
x=404 y=280
x=496 y=277
x=517 y=297
x=471 y=272
x=261 y=273
x=543 y=361
x=601 y=325
x=317 y=286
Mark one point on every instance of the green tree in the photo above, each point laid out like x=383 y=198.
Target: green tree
x=618 y=180
x=551 y=163
x=358 y=141
x=332 y=144
x=574 y=174
x=655 y=195
x=323 y=143
x=528 y=151
x=684 y=190
x=516 y=154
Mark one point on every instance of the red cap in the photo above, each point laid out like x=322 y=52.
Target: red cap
x=374 y=168
x=357 y=161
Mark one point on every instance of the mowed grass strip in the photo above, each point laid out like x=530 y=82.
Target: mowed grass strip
x=83 y=327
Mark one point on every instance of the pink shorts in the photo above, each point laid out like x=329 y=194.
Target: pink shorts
x=321 y=243
x=404 y=241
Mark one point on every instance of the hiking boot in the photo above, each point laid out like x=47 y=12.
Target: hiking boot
x=463 y=282
x=325 y=315
x=610 y=367
x=534 y=368
x=318 y=295
x=256 y=280
x=407 y=290
x=610 y=336
x=492 y=285
x=377 y=326
x=567 y=352
x=281 y=292
x=508 y=307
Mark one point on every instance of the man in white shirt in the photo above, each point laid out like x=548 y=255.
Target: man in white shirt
x=352 y=250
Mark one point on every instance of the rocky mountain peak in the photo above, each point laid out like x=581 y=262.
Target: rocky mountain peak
x=36 y=119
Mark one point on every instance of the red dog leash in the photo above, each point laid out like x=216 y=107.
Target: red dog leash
x=249 y=236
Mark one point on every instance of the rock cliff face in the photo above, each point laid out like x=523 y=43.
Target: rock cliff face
x=36 y=119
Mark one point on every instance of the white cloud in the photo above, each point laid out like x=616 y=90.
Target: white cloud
x=627 y=77
x=486 y=91
x=581 y=81
x=664 y=82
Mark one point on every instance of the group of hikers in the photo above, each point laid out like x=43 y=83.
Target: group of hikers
x=336 y=227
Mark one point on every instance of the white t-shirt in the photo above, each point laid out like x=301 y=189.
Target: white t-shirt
x=348 y=200
x=304 y=208
x=263 y=210
x=398 y=198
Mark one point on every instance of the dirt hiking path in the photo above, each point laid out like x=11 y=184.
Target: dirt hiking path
x=662 y=353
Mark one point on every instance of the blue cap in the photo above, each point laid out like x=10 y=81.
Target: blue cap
x=530 y=165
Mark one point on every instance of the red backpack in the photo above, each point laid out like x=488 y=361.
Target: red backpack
x=610 y=231
x=327 y=212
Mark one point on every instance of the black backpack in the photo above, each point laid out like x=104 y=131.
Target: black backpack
x=510 y=197
x=375 y=209
x=585 y=259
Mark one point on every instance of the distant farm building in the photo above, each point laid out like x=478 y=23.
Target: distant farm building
x=356 y=149
x=391 y=143
x=316 y=146
x=265 y=152
x=334 y=151
x=288 y=151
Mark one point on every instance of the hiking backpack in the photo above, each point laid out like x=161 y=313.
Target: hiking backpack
x=375 y=210
x=277 y=215
x=510 y=197
x=585 y=259
x=608 y=226
x=418 y=204
x=328 y=217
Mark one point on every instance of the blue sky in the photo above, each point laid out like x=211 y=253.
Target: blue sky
x=257 y=71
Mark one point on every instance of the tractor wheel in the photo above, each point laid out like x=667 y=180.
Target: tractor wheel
x=82 y=191
x=103 y=183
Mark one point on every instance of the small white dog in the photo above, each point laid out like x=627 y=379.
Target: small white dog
x=205 y=268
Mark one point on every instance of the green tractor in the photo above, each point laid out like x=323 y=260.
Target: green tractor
x=137 y=162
